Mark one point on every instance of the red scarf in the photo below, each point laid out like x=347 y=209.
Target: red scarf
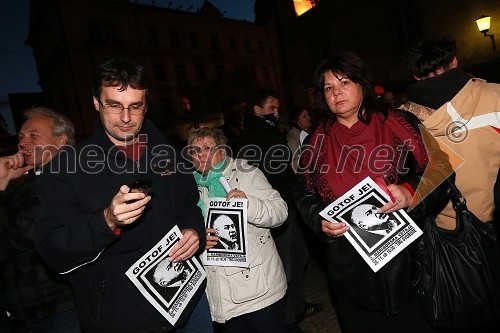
x=352 y=154
x=134 y=151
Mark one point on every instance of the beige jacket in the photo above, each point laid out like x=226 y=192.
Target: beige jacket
x=233 y=291
x=468 y=129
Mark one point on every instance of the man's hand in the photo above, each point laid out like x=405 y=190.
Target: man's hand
x=12 y=167
x=187 y=246
x=120 y=213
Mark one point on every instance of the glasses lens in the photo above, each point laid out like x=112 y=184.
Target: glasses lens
x=136 y=109
x=118 y=108
x=114 y=108
x=201 y=150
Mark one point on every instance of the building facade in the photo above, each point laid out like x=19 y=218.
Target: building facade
x=200 y=59
x=196 y=59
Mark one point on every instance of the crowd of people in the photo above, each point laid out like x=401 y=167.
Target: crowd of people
x=71 y=228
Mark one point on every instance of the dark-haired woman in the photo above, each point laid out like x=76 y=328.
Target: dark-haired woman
x=366 y=301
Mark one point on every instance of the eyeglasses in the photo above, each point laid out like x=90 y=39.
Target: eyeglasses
x=194 y=150
x=112 y=108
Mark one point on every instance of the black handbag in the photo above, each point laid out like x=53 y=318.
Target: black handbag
x=458 y=271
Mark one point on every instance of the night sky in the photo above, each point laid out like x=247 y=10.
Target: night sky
x=17 y=66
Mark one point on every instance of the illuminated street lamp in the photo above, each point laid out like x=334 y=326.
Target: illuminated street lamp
x=302 y=6
x=483 y=24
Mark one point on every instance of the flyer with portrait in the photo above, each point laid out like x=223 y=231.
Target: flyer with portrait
x=168 y=286
x=229 y=219
x=376 y=236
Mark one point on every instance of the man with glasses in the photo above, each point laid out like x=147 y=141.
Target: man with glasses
x=93 y=229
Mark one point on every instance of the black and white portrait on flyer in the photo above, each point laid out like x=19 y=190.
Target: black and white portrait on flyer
x=168 y=286
x=229 y=219
x=377 y=237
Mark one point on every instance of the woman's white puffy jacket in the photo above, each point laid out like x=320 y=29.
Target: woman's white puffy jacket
x=233 y=291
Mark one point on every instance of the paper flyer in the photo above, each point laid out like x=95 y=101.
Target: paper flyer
x=376 y=236
x=167 y=286
x=229 y=219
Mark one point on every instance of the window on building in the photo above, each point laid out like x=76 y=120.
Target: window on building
x=200 y=72
x=214 y=43
x=159 y=73
x=94 y=32
x=406 y=23
x=232 y=44
x=260 y=45
x=181 y=72
x=174 y=39
x=248 y=47
x=195 y=43
x=153 y=37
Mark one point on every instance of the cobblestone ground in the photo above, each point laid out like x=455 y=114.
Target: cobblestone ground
x=317 y=292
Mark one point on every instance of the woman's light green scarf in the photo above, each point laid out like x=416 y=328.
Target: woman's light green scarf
x=211 y=181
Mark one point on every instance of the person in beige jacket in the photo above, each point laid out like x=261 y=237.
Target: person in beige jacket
x=242 y=299
x=463 y=113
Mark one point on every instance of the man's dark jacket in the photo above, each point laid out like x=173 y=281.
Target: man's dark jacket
x=273 y=157
x=29 y=290
x=73 y=237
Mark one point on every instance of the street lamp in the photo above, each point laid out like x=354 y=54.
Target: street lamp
x=483 y=24
x=302 y=6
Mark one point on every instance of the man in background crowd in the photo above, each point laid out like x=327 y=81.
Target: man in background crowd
x=264 y=145
x=36 y=298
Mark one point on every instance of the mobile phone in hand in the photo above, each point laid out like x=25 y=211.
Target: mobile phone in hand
x=142 y=186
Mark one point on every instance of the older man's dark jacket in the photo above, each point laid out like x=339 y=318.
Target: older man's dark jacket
x=29 y=290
